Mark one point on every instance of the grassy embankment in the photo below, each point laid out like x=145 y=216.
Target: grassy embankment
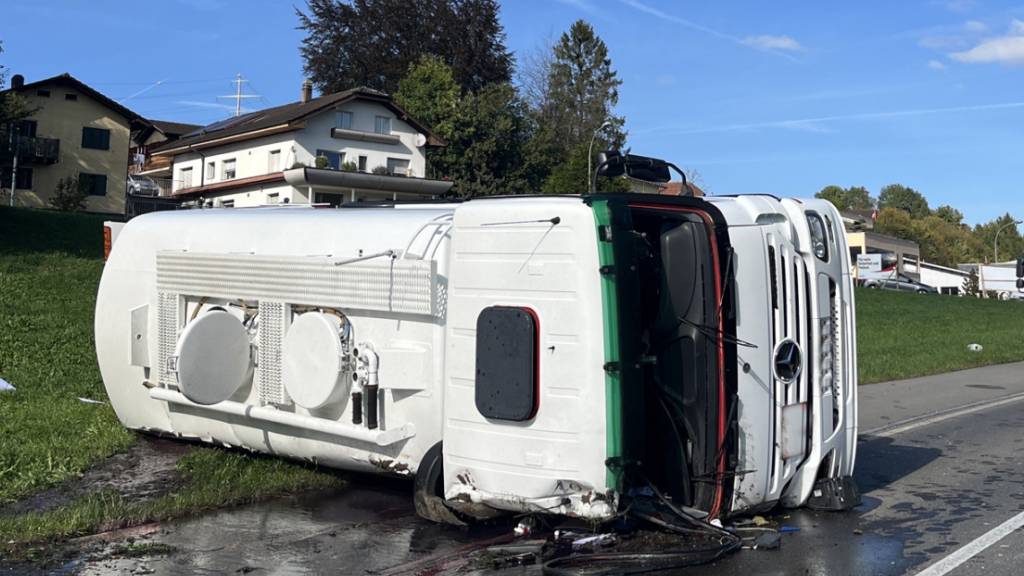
x=50 y=265
x=905 y=335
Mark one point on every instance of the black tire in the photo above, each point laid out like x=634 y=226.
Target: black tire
x=922 y=291
x=873 y=286
x=428 y=489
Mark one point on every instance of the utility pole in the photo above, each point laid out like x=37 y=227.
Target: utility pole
x=238 y=96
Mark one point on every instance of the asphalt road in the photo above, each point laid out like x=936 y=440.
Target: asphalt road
x=940 y=462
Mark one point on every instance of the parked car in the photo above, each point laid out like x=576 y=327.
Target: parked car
x=900 y=282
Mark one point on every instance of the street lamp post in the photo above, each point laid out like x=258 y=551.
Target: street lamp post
x=995 y=243
x=590 y=149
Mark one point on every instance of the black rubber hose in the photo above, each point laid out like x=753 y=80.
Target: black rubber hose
x=357 y=407
x=371 y=406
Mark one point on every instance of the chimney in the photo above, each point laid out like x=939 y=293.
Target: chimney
x=17 y=82
x=307 y=91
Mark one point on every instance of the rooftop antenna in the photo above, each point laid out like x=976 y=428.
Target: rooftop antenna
x=238 y=96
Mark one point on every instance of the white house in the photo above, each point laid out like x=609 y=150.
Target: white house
x=366 y=147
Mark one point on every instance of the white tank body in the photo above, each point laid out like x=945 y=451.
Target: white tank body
x=128 y=335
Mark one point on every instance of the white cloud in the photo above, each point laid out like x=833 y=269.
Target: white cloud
x=767 y=42
x=1008 y=49
x=1005 y=50
x=975 y=26
x=936 y=65
x=673 y=18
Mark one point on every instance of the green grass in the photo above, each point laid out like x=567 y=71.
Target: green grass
x=50 y=265
x=906 y=335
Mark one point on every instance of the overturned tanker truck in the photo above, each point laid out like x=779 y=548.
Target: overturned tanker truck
x=524 y=354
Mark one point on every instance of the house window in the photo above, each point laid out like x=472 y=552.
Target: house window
x=28 y=128
x=23 y=181
x=334 y=159
x=273 y=161
x=211 y=170
x=344 y=120
x=71 y=97
x=43 y=93
x=398 y=166
x=382 y=125
x=186 y=177
x=95 y=138
x=93 y=184
x=362 y=163
x=273 y=198
x=227 y=204
x=227 y=170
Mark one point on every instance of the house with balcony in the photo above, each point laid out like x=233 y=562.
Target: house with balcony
x=75 y=131
x=350 y=146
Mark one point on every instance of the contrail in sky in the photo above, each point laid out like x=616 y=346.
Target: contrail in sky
x=802 y=122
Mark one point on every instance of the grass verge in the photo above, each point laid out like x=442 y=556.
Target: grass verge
x=903 y=335
x=50 y=265
x=213 y=478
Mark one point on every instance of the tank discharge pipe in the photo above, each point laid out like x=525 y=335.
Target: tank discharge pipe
x=371 y=362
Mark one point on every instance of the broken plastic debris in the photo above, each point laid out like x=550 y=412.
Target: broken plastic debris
x=522 y=529
x=975 y=347
x=786 y=529
x=760 y=521
x=595 y=541
x=6 y=386
x=716 y=523
x=767 y=541
x=89 y=401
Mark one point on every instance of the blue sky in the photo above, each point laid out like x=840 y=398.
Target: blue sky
x=780 y=97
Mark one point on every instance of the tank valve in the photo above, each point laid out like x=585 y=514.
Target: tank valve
x=371 y=363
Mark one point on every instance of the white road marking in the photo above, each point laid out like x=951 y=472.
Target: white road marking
x=890 y=430
x=974 y=547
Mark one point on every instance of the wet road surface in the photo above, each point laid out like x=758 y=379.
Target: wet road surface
x=932 y=485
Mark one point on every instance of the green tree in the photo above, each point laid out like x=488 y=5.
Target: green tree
x=430 y=94
x=950 y=214
x=1011 y=244
x=580 y=95
x=372 y=43
x=895 y=222
x=582 y=92
x=852 y=198
x=69 y=195
x=904 y=198
x=571 y=177
x=485 y=131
